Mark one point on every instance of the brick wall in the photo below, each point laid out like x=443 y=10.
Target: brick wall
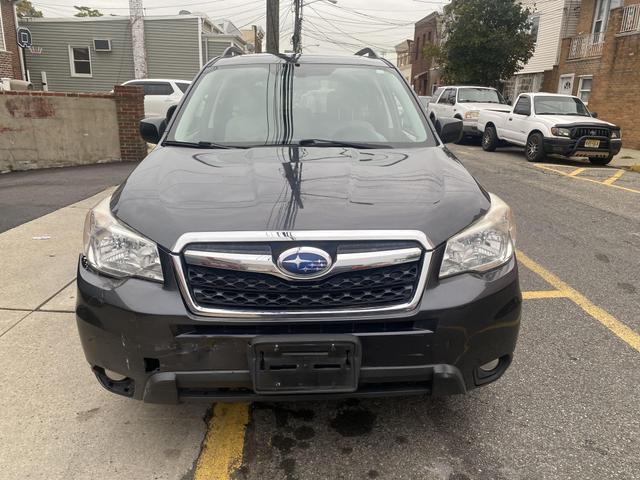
x=9 y=25
x=130 y=110
x=53 y=129
x=616 y=74
x=6 y=64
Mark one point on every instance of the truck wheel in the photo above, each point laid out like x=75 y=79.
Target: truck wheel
x=601 y=160
x=534 y=150
x=489 y=139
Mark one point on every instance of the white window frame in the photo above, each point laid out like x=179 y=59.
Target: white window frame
x=566 y=75
x=604 y=20
x=72 y=67
x=580 y=89
x=3 y=47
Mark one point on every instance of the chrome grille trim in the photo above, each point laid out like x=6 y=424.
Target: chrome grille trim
x=332 y=314
x=345 y=262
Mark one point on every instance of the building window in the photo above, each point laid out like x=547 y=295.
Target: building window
x=429 y=35
x=80 y=61
x=584 y=89
x=2 y=45
x=535 y=26
x=600 y=20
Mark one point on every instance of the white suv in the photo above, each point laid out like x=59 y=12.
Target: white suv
x=160 y=94
x=465 y=103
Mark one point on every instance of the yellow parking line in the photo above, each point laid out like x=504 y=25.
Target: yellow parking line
x=223 y=445
x=614 y=177
x=577 y=171
x=534 y=295
x=622 y=331
x=545 y=167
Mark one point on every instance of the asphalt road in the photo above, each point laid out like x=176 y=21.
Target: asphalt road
x=568 y=408
x=32 y=194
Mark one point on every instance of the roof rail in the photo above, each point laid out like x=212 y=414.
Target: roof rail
x=367 y=52
x=232 y=51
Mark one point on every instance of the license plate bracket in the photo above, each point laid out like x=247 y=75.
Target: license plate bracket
x=297 y=364
x=592 y=143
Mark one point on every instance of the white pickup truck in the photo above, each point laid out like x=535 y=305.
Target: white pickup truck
x=549 y=123
x=465 y=103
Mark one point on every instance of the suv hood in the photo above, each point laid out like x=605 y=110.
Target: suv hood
x=178 y=190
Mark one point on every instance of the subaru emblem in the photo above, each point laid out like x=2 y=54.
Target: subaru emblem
x=304 y=262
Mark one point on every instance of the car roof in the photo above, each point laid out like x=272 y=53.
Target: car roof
x=145 y=80
x=546 y=94
x=268 y=58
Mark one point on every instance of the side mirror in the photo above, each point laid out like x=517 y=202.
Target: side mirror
x=170 y=112
x=594 y=114
x=449 y=129
x=152 y=129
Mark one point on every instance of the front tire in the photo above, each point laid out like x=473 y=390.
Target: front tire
x=489 y=139
x=601 y=160
x=534 y=149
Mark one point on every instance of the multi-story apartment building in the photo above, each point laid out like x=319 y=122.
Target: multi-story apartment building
x=601 y=63
x=404 y=58
x=425 y=74
x=552 y=21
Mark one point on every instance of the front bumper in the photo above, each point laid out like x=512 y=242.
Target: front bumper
x=470 y=128
x=143 y=330
x=570 y=147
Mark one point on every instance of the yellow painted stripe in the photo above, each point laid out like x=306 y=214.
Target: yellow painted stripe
x=545 y=167
x=222 y=451
x=614 y=177
x=577 y=171
x=621 y=330
x=534 y=295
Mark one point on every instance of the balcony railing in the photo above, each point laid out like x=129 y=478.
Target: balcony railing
x=630 y=19
x=585 y=46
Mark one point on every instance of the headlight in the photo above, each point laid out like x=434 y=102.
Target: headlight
x=616 y=134
x=486 y=244
x=114 y=249
x=471 y=114
x=561 y=132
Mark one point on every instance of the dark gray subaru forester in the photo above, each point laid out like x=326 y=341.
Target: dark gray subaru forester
x=300 y=231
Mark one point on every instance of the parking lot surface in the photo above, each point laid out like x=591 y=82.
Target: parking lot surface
x=568 y=408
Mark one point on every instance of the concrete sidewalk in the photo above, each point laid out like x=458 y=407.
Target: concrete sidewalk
x=627 y=158
x=56 y=422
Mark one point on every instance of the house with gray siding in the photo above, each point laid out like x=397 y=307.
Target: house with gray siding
x=94 y=54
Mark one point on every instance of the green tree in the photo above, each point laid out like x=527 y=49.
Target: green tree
x=87 y=12
x=25 y=9
x=485 y=41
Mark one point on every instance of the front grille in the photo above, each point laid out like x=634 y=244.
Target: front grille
x=375 y=287
x=590 y=132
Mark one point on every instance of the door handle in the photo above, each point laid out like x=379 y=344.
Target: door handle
x=510 y=119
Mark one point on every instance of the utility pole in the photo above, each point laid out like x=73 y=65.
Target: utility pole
x=297 y=27
x=273 y=26
x=136 y=15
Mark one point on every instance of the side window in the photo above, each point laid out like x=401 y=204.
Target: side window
x=157 y=88
x=452 y=96
x=182 y=86
x=523 y=106
x=436 y=94
x=446 y=96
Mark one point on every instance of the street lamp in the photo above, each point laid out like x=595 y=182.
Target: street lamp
x=297 y=27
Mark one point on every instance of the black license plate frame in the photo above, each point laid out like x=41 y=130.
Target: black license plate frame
x=305 y=364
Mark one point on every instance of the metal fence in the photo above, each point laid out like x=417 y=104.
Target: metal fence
x=630 y=19
x=584 y=46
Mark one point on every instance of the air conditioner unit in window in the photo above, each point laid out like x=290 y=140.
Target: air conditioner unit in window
x=102 y=45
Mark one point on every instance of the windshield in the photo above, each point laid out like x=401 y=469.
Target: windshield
x=286 y=104
x=552 y=105
x=479 y=95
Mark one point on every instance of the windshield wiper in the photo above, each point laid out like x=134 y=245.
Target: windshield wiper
x=204 y=145
x=319 y=142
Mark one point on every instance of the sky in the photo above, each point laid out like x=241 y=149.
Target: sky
x=327 y=28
